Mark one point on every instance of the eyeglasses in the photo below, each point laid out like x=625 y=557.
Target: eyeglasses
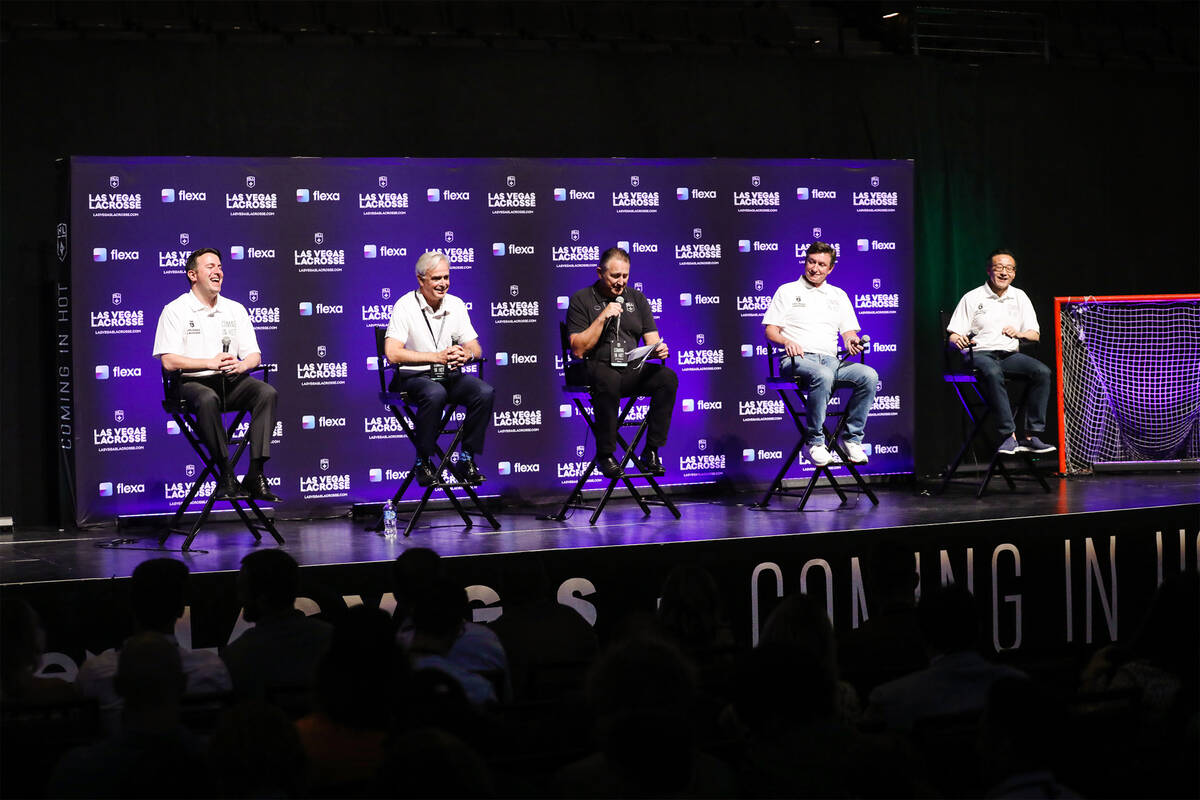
x=1004 y=270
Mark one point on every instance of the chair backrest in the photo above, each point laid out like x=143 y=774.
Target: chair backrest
x=384 y=366
x=171 y=379
x=564 y=339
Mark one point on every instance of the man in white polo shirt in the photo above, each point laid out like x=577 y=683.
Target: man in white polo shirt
x=212 y=339
x=805 y=317
x=997 y=317
x=430 y=337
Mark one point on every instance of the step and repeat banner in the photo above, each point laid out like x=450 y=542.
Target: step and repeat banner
x=319 y=250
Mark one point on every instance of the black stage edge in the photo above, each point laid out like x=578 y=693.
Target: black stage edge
x=1054 y=573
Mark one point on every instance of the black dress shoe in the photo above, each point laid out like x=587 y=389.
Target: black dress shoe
x=609 y=467
x=651 y=463
x=229 y=489
x=258 y=489
x=465 y=470
x=424 y=473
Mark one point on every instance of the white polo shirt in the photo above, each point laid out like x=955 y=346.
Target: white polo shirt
x=189 y=327
x=984 y=313
x=812 y=316
x=449 y=324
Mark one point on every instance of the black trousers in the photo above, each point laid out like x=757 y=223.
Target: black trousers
x=609 y=385
x=431 y=398
x=242 y=392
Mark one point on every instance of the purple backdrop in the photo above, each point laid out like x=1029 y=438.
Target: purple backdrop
x=319 y=249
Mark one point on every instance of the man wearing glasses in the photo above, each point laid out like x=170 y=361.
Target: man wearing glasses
x=996 y=318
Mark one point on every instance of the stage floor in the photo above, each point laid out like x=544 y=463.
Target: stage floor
x=46 y=555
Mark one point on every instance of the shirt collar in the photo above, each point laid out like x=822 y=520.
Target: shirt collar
x=195 y=304
x=428 y=309
x=991 y=293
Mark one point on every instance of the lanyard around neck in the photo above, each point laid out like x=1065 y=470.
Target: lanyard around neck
x=436 y=337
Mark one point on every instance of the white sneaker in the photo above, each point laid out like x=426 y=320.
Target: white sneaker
x=855 y=451
x=818 y=454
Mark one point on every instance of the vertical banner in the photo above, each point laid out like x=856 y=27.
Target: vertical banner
x=319 y=250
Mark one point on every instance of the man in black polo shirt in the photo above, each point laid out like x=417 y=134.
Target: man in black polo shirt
x=605 y=345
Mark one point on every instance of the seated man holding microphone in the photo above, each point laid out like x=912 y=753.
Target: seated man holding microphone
x=805 y=317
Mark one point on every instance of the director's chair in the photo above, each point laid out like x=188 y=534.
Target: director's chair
x=960 y=373
x=576 y=387
x=185 y=418
x=403 y=410
x=795 y=401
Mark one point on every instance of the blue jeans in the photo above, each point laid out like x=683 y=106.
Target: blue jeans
x=815 y=375
x=992 y=366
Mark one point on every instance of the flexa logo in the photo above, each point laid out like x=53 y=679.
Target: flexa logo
x=748 y=246
x=108 y=488
x=307 y=309
x=238 y=252
x=113 y=254
x=505 y=359
x=445 y=195
x=562 y=194
x=686 y=193
x=881 y=347
x=517 y=468
x=383 y=251
x=502 y=249
x=379 y=475
x=308 y=422
x=104 y=372
x=688 y=299
x=865 y=245
x=806 y=193
x=749 y=455
x=182 y=196
x=689 y=405
x=317 y=196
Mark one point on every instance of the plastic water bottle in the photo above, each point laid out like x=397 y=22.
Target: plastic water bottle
x=389 y=518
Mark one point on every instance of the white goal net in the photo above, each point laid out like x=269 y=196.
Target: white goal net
x=1129 y=379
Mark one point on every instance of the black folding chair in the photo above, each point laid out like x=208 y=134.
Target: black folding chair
x=795 y=401
x=960 y=373
x=577 y=389
x=404 y=410
x=185 y=418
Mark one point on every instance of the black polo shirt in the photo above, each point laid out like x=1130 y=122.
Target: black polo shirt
x=636 y=319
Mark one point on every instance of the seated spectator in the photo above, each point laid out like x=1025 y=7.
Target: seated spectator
x=642 y=692
x=690 y=611
x=801 y=622
x=887 y=645
x=549 y=645
x=794 y=745
x=283 y=647
x=22 y=642
x=157 y=594
x=255 y=751
x=957 y=678
x=1019 y=736
x=357 y=683
x=153 y=755
x=437 y=627
x=1161 y=662
x=476 y=649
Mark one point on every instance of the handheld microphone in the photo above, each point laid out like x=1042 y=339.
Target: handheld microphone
x=225 y=340
x=865 y=341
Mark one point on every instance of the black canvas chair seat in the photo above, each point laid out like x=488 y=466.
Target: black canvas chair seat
x=577 y=389
x=961 y=375
x=175 y=406
x=403 y=410
x=795 y=401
